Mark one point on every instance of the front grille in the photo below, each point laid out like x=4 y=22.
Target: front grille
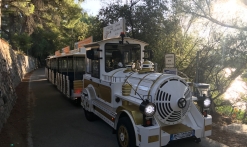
x=165 y=100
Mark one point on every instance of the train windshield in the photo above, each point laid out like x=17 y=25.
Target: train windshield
x=119 y=55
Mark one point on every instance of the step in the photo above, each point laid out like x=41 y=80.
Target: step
x=104 y=107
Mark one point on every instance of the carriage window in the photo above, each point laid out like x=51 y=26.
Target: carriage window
x=48 y=63
x=70 y=64
x=60 y=64
x=118 y=55
x=54 y=63
x=79 y=64
x=79 y=67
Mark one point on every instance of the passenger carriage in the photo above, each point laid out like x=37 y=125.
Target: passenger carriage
x=65 y=70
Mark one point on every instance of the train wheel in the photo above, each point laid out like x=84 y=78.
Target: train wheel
x=78 y=102
x=125 y=133
x=197 y=140
x=90 y=116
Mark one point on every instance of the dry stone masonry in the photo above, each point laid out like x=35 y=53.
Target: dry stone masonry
x=13 y=67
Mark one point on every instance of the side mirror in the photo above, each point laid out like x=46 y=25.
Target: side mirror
x=90 y=54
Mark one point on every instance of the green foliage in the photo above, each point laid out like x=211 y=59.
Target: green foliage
x=95 y=28
x=24 y=7
x=233 y=113
x=244 y=76
x=22 y=42
x=225 y=110
x=44 y=43
x=41 y=27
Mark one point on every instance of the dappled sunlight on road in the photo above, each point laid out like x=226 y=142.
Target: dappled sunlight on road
x=39 y=80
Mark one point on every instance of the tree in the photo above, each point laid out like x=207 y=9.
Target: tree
x=223 y=47
x=206 y=9
x=40 y=27
x=15 y=18
x=60 y=24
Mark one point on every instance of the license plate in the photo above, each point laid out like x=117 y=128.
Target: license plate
x=182 y=135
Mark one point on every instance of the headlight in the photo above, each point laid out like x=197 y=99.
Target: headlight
x=147 y=108
x=207 y=102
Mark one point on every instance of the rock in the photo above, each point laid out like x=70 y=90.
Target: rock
x=13 y=67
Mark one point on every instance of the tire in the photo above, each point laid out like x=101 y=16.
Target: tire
x=90 y=116
x=197 y=140
x=125 y=133
x=77 y=102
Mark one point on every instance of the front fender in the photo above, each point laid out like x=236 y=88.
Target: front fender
x=132 y=121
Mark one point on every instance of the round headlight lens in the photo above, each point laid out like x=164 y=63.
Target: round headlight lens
x=207 y=102
x=149 y=109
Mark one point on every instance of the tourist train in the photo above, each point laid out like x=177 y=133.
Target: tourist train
x=114 y=79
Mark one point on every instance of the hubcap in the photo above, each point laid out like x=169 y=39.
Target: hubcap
x=123 y=136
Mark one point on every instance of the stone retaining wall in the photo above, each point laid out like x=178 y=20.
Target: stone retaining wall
x=13 y=67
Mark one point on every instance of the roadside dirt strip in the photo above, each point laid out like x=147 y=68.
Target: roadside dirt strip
x=15 y=130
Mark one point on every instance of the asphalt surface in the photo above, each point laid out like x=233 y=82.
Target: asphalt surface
x=56 y=122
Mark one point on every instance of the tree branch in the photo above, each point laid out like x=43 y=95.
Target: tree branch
x=218 y=22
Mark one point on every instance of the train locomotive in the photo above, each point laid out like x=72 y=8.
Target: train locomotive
x=145 y=108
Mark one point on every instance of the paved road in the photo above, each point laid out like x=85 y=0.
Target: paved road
x=56 y=122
